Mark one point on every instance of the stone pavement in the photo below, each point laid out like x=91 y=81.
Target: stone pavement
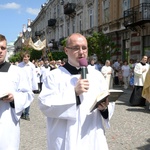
x=130 y=127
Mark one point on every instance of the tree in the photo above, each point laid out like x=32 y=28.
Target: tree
x=101 y=45
x=57 y=55
x=34 y=55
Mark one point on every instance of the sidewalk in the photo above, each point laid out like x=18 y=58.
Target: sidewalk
x=129 y=127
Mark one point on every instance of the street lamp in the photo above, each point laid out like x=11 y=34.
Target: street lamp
x=26 y=30
x=50 y=45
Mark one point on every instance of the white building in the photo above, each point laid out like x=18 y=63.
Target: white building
x=10 y=50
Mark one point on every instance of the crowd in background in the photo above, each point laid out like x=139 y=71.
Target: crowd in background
x=116 y=72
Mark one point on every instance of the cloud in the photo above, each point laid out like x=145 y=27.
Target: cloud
x=10 y=6
x=32 y=11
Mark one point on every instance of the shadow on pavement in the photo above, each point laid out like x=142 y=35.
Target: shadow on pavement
x=137 y=109
x=145 y=147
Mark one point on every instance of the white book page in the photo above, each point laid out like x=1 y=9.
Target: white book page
x=4 y=84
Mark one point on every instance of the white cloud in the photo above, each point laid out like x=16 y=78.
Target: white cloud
x=32 y=11
x=10 y=6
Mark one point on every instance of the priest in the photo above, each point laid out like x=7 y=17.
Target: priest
x=66 y=99
x=15 y=95
x=140 y=72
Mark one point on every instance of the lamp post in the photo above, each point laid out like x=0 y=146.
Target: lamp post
x=26 y=31
x=50 y=45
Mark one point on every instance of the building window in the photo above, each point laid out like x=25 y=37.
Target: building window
x=80 y=22
x=144 y=1
x=91 y=18
x=68 y=27
x=61 y=31
x=126 y=6
x=105 y=8
x=73 y=25
x=55 y=12
x=58 y=10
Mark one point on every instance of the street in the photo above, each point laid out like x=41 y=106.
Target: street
x=129 y=127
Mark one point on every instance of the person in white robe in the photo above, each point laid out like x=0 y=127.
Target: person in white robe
x=30 y=70
x=66 y=100
x=19 y=96
x=108 y=73
x=140 y=72
x=126 y=74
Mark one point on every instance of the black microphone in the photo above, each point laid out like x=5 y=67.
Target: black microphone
x=83 y=64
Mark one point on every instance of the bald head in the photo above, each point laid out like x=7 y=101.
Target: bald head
x=73 y=37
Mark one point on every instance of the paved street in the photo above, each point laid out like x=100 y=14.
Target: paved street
x=129 y=127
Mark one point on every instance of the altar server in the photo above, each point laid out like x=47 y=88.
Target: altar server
x=66 y=99
x=17 y=96
x=140 y=72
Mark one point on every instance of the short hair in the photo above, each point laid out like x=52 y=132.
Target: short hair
x=26 y=53
x=2 y=38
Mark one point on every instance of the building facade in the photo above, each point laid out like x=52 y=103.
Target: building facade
x=57 y=19
x=127 y=22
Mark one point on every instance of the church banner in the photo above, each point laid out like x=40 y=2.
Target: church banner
x=38 y=45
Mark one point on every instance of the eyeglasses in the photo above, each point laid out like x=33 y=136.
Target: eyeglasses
x=3 y=48
x=76 y=48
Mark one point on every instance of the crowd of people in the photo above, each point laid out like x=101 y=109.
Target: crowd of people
x=64 y=96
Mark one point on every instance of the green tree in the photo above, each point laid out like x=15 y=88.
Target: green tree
x=34 y=55
x=101 y=45
x=57 y=55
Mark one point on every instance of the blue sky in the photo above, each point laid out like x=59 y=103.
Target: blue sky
x=15 y=13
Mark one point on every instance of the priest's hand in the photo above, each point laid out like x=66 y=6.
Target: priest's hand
x=8 y=98
x=81 y=86
x=104 y=105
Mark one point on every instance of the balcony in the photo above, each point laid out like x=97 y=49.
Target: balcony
x=137 y=16
x=69 y=8
x=51 y=22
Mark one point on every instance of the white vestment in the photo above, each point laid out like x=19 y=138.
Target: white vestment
x=109 y=77
x=72 y=127
x=31 y=73
x=139 y=75
x=15 y=83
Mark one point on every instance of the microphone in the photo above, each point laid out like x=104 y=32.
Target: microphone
x=83 y=64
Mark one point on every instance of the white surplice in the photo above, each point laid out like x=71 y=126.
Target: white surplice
x=31 y=73
x=16 y=83
x=139 y=75
x=109 y=77
x=71 y=127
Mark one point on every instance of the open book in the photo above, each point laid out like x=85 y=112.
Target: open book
x=3 y=95
x=111 y=94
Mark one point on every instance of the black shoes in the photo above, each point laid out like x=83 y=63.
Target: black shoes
x=26 y=117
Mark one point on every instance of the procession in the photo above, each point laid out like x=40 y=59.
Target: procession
x=77 y=76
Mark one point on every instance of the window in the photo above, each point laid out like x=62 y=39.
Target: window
x=58 y=10
x=61 y=30
x=68 y=27
x=126 y=6
x=144 y=1
x=55 y=12
x=91 y=18
x=105 y=8
x=80 y=22
x=73 y=25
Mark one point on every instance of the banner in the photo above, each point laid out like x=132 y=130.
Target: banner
x=38 y=45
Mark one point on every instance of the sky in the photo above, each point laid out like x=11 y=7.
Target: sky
x=15 y=13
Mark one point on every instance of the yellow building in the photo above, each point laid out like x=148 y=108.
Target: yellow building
x=127 y=22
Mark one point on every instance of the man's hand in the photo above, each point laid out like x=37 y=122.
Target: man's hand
x=81 y=86
x=8 y=98
x=103 y=106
